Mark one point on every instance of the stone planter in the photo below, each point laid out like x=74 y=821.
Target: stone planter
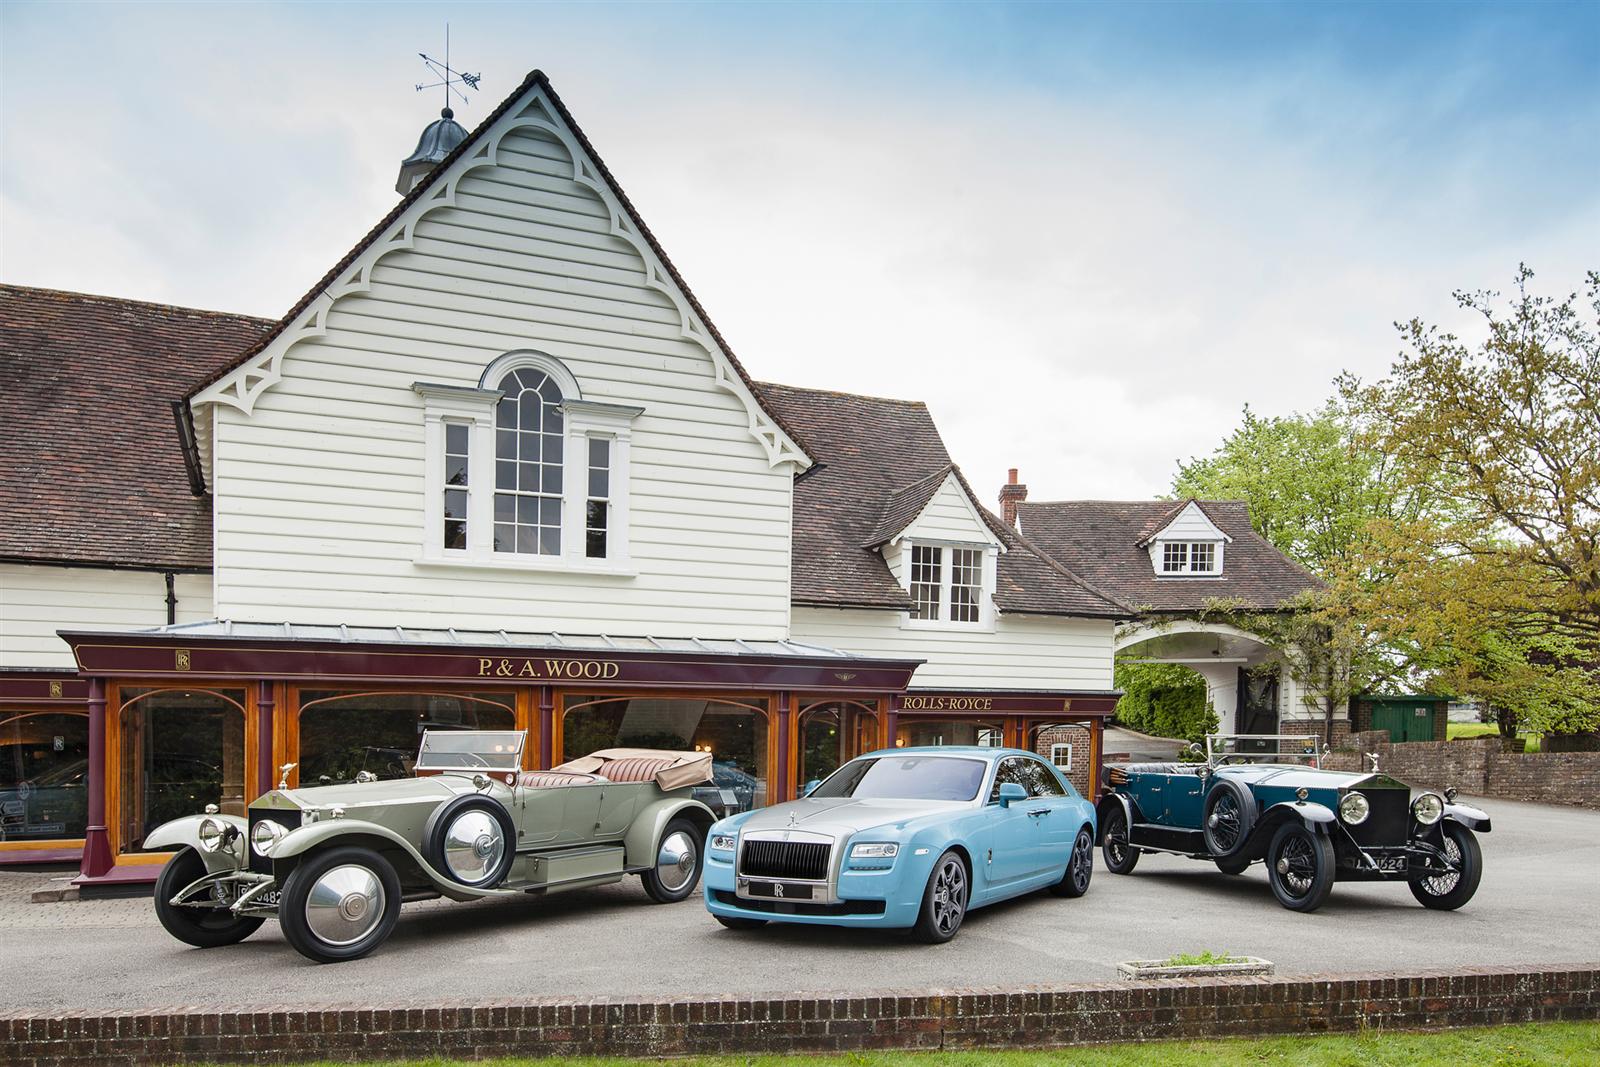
x=1246 y=965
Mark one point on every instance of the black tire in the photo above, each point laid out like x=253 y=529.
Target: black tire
x=1300 y=867
x=353 y=867
x=1232 y=866
x=944 y=902
x=740 y=924
x=1080 y=867
x=1120 y=856
x=460 y=857
x=668 y=883
x=1448 y=892
x=202 y=928
x=1229 y=817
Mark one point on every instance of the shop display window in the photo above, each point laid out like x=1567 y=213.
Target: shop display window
x=918 y=733
x=344 y=733
x=44 y=775
x=735 y=734
x=179 y=750
x=832 y=734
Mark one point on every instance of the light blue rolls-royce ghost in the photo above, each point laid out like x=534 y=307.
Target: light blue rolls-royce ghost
x=909 y=838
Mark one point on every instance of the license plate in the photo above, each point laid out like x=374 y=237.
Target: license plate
x=780 y=890
x=269 y=899
x=1391 y=863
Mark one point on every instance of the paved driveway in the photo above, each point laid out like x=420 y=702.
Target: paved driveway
x=1539 y=903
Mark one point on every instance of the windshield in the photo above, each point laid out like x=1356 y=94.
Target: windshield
x=471 y=750
x=906 y=778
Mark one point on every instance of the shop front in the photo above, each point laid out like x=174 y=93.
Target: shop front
x=169 y=721
x=1065 y=728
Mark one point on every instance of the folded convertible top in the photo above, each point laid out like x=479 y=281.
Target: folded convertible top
x=671 y=770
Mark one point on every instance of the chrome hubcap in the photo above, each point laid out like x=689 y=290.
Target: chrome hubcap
x=345 y=905
x=675 y=861
x=1296 y=866
x=949 y=896
x=473 y=847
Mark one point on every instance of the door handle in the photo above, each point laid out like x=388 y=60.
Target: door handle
x=1040 y=811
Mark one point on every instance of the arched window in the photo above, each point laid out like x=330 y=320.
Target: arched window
x=529 y=456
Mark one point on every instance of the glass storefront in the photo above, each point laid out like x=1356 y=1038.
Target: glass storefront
x=915 y=733
x=44 y=775
x=831 y=735
x=181 y=749
x=342 y=733
x=735 y=734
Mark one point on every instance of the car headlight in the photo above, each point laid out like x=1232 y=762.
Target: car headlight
x=1354 y=808
x=876 y=850
x=265 y=835
x=1427 y=808
x=722 y=842
x=212 y=834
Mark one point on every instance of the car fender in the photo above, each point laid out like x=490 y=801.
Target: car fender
x=1474 y=819
x=303 y=840
x=1318 y=818
x=1129 y=810
x=639 y=843
x=185 y=832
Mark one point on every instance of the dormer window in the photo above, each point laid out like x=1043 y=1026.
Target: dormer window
x=1190 y=557
x=948 y=584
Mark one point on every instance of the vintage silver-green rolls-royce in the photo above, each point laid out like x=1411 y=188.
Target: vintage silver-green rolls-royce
x=333 y=863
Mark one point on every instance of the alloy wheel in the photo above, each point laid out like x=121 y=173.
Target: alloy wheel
x=949 y=896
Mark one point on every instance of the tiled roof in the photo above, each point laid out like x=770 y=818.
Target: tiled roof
x=534 y=78
x=876 y=458
x=94 y=464
x=1100 y=539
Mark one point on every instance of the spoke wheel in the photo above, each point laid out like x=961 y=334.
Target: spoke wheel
x=200 y=927
x=1446 y=892
x=1300 y=867
x=1120 y=856
x=1080 y=867
x=1228 y=815
x=944 y=903
x=678 y=859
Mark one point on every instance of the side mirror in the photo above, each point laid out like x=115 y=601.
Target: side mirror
x=810 y=787
x=1010 y=793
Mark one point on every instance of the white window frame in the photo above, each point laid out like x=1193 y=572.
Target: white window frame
x=1055 y=755
x=1158 y=557
x=989 y=555
x=582 y=419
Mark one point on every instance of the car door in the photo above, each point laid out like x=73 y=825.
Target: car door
x=1052 y=812
x=1014 y=835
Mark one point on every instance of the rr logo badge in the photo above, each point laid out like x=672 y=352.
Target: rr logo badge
x=777 y=889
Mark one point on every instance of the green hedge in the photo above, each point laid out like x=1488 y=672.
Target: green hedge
x=1164 y=699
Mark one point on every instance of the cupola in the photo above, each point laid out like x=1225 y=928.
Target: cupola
x=437 y=141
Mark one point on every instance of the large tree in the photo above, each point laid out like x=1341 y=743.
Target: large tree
x=1500 y=582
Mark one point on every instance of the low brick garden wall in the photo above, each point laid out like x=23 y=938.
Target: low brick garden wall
x=1479 y=766
x=1034 y=1016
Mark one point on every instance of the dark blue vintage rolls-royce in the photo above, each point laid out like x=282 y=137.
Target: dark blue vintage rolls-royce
x=1266 y=798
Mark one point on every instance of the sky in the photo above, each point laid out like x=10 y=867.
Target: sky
x=1087 y=235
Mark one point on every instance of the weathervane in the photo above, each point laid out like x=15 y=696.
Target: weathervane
x=450 y=79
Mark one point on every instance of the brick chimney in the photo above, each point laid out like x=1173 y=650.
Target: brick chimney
x=1011 y=494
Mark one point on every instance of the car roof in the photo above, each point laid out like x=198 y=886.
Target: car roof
x=985 y=752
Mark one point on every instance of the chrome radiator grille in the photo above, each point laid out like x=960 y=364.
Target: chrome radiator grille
x=806 y=860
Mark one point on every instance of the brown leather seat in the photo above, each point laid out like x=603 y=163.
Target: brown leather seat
x=634 y=768
x=547 y=779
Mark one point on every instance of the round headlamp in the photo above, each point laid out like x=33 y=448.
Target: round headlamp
x=1427 y=808
x=1354 y=808
x=211 y=833
x=265 y=835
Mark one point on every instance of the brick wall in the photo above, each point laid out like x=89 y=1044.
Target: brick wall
x=1038 y=1016
x=1078 y=737
x=1479 y=766
x=1316 y=728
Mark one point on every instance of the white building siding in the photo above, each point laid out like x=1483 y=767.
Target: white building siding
x=949 y=517
x=320 y=491
x=35 y=602
x=1023 y=652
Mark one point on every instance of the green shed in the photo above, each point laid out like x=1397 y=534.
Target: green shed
x=1407 y=718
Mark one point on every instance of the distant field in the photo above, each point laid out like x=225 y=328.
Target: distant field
x=1485 y=729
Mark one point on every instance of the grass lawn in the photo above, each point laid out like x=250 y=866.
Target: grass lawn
x=1512 y=1046
x=1454 y=730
